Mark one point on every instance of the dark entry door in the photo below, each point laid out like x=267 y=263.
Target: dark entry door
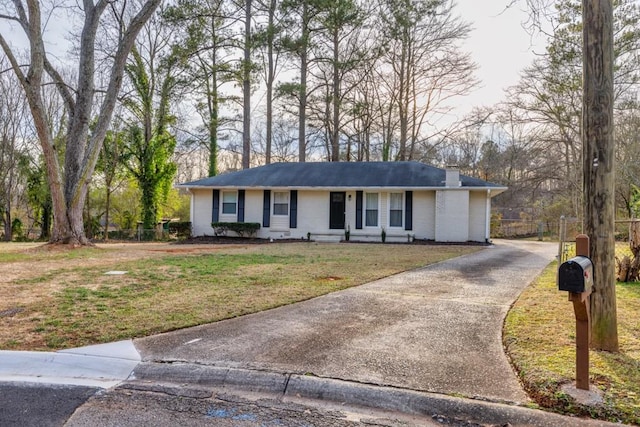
x=337 y=211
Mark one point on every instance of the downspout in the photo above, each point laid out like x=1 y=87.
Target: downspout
x=192 y=212
x=488 y=218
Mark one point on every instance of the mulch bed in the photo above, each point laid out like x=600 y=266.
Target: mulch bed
x=217 y=240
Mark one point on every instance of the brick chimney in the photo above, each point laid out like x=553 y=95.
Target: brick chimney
x=452 y=176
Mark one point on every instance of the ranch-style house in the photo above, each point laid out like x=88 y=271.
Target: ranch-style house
x=324 y=201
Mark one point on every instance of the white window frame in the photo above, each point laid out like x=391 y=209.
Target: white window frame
x=365 y=210
x=235 y=202
x=401 y=210
x=273 y=207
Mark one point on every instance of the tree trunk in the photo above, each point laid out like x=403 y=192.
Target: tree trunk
x=68 y=182
x=623 y=268
x=628 y=269
x=302 y=97
x=46 y=221
x=402 y=107
x=634 y=237
x=149 y=205
x=213 y=106
x=598 y=161
x=8 y=232
x=246 y=89
x=106 y=213
x=335 y=131
x=270 y=79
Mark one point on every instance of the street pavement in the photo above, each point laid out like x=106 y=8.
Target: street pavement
x=419 y=348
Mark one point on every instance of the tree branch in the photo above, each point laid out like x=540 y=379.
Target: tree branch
x=14 y=62
x=62 y=87
x=9 y=18
x=22 y=15
x=115 y=82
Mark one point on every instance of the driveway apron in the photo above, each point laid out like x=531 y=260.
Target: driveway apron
x=435 y=329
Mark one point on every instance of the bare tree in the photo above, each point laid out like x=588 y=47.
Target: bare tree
x=207 y=31
x=268 y=42
x=13 y=110
x=297 y=40
x=152 y=78
x=69 y=179
x=246 y=86
x=423 y=65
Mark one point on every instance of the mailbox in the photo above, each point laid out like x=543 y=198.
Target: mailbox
x=576 y=275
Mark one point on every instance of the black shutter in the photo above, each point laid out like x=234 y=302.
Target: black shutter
x=216 y=206
x=266 y=209
x=293 y=209
x=359 y=210
x=240 y=205
x=408 y=210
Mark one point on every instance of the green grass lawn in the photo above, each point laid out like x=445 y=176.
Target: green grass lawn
x=54 y=299
x=539 y=336
x=51 y=300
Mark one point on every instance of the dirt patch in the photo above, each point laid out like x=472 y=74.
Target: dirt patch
x=15 y=286
x=330 y=278
x=11 y=312
x=225 y=240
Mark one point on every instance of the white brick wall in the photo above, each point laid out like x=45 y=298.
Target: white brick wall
x=202 y=212
x=424 y=215
x=383 y=202
x=477 y=216
x=253 y=206
x=313 y=213
x=447 y=216
x=452 y=216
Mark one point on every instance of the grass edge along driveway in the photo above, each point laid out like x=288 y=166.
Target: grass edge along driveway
x=539 y=337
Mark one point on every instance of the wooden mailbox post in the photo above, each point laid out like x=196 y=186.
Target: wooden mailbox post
x=576 y=277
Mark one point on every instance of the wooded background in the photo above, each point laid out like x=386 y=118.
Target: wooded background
x=218 y=85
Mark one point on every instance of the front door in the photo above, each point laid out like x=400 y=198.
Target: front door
x=337 y=210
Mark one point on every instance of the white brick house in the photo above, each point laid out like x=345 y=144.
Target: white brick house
x=292 y=200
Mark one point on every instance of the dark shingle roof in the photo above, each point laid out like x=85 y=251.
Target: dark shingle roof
x=338 y=175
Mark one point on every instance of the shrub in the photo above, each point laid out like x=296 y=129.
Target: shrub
x=242 y=229
x=181 y=229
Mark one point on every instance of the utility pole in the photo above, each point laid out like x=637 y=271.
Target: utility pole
x=598 y=172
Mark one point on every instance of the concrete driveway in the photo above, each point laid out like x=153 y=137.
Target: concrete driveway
x=435 y=329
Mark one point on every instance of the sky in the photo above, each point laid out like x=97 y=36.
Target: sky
x=499 y=44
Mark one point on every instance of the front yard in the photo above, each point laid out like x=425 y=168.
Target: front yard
x=52 y=298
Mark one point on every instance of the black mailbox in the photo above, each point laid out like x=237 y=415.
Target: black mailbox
x=576 y=275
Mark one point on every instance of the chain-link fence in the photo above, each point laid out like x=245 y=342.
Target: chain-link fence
x=137 y=235
x=542 y=230
x=167 y=232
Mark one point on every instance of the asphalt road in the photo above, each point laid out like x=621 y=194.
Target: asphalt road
x=133 y=405
x=49 y=405
x=40 y=405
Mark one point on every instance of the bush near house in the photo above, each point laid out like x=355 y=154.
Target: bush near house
x=242 y=229
x=181 y=229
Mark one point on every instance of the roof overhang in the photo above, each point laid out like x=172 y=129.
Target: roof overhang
x=491 y=191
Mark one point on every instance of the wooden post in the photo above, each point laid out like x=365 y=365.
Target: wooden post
x=583 y=326
x=598 y=170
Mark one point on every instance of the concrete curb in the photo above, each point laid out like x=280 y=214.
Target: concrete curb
x=103 y=366
x=295 y=387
